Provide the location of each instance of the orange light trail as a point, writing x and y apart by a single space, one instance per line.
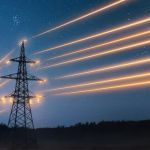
103 44
81 17
135 76
119 87
99 54
126 26
3 99
4 83
3 110
108 68
6 56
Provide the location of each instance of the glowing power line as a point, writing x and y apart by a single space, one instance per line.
3 111
39 98
4 83
81 17
119 87
3 99
126 26
128 77
108 68
5 58
99 54
103 44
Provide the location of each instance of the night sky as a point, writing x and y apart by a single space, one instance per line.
25 18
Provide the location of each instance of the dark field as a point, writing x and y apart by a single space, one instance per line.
102 136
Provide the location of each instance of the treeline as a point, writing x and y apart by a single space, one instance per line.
102 124
3 126
106 124
94 130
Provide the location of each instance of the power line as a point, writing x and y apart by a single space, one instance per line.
106 89
137 62
111 5
139 34
99 54
123 27
98 82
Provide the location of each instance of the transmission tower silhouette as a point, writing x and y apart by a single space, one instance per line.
20 119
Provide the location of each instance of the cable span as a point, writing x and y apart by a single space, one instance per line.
115 87
81 17
99 54
123 27
103 44
98 82
137 62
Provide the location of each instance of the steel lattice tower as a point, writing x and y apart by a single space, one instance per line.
21 115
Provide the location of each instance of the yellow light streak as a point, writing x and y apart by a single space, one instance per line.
11 100
37 62
4 83
25 40
3 100
103 44
43 81
81 17
8 62
39 98
120 28
119 87
30 102
3 110
5 58
99 54
108 68
135 76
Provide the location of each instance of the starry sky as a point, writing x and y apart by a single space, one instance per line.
25 18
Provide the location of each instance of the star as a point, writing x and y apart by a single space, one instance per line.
16 20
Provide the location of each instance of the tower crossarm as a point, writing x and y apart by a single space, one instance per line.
15 77
26 60
10 76
15 95
33 78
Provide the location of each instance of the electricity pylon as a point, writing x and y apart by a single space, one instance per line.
20 119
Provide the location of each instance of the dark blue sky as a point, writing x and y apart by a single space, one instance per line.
25 18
